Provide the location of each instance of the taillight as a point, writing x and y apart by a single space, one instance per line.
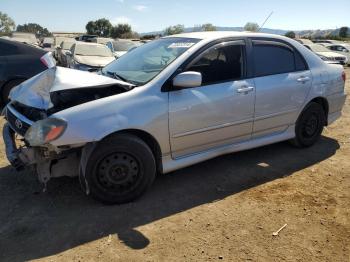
48 60
343 75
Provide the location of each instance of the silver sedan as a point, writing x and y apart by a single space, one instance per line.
168 104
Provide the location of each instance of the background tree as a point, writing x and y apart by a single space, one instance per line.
7 25
121 31
290 34
101 27
90 28
33 28
343 32
252 27
208 27
173 30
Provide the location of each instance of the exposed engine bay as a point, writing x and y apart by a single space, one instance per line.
35 100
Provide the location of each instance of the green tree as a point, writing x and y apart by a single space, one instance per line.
252 27
90 27
290 34
33 28
208 27
7 25
101 27
121 31
173 30
343 31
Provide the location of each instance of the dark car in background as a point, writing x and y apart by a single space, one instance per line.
19 62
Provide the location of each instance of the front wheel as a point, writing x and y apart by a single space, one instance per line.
120 169
309 125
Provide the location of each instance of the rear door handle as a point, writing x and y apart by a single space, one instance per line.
245 89
303 79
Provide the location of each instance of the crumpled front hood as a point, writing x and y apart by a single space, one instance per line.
97 61
35 92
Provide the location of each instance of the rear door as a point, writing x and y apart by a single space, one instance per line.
220 111
282 81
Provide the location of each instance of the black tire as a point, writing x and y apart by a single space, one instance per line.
7 88
120 169
309 125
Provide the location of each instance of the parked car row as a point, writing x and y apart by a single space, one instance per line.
92 55
331 51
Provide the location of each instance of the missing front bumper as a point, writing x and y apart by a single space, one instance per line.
46 165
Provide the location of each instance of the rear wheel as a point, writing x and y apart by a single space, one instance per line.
309 126
120 169
7 89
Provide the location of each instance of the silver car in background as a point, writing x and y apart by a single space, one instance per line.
168 104
88 56
62 50
121 47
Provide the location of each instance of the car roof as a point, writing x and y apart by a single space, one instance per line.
213 35
23 49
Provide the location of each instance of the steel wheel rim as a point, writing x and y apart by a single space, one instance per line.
118 172
311 126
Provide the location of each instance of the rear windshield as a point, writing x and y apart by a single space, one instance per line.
93 50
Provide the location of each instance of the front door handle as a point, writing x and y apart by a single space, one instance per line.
303 79
245 89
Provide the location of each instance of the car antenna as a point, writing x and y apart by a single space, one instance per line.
267 18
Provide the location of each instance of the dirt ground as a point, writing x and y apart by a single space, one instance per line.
223 209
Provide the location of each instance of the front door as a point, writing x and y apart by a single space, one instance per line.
221 110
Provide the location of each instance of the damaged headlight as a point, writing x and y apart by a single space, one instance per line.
45 131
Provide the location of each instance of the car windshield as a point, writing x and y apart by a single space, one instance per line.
123 45
319 48
67 45
147 61
93 50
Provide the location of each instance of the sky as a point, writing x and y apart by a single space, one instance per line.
155 15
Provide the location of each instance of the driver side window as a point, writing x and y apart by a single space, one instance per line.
221 63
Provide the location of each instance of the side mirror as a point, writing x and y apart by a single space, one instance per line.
187 79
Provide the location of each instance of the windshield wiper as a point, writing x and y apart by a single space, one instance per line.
118 77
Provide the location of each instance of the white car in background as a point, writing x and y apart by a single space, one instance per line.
343 49
326 54
88 56
121 47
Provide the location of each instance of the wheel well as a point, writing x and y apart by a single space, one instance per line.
324 103
150 141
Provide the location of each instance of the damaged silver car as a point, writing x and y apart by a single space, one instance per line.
168 104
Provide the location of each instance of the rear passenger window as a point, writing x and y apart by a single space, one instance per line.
220 64
299 62
270 59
